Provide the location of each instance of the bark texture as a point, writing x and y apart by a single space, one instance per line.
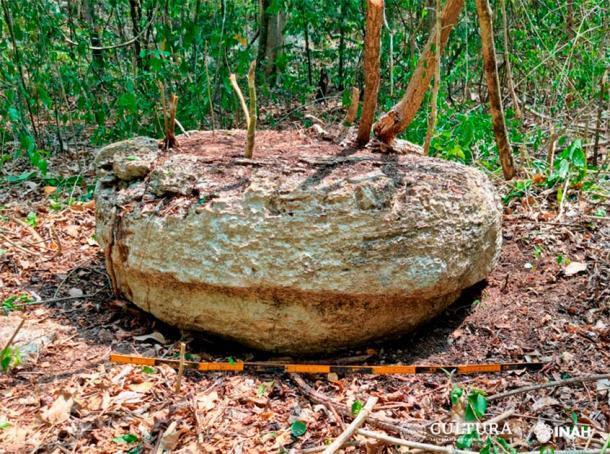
400 116
493 87
313 253
372 45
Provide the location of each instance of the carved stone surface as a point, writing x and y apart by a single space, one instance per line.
305 248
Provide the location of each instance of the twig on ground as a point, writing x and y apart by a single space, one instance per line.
550 384
55 300
382 422
353 427
14 335
501 417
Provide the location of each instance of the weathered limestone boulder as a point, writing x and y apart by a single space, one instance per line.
308 247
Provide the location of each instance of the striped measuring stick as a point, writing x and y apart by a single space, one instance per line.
268 367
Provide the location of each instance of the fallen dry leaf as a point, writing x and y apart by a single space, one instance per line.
574 268
207 402
169 439
60 410
142 387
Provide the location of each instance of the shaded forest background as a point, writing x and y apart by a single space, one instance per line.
91 69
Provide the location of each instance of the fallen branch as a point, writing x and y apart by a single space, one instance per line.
55 300
550 384
381 422
353 427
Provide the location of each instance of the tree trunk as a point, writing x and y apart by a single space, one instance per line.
372 44
271 37
437 79
509 71
135 11
88 12
263 26
400 116
603 87
342 45
308 54
493 88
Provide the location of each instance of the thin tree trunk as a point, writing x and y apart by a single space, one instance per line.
94 33
342 46
509 71
135 11
400 116
263 27
493 88
437 79
308 51
372 44
603 87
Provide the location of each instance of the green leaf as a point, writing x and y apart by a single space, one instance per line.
465 441
456 393
547 450
356 407
148 370
298 428
476 405
231 361
31 219
4 425
129 102
125 438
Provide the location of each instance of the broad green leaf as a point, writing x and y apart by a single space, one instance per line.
476 405
298 428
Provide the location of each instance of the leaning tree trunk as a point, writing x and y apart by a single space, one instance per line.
493 87
374 20
401 115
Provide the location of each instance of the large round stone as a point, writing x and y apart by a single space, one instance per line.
308 247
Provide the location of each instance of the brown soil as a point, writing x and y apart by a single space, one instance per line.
70 398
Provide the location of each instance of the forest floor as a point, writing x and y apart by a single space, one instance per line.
548 299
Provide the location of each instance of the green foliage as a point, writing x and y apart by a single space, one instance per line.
356 407
476 405
455 394
54 88
9 304
465 441
148 370
298 428
4 425
31 219
10 357
126 439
